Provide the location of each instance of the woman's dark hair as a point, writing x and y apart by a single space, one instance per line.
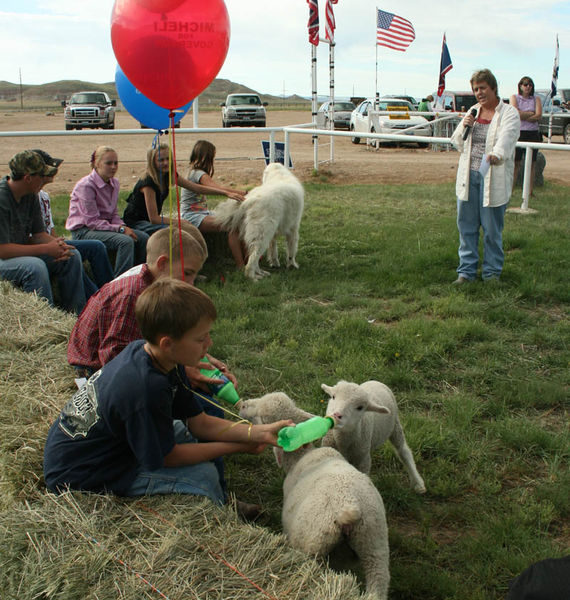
202 157
526 80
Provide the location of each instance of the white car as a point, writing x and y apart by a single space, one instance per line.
342 112
367 118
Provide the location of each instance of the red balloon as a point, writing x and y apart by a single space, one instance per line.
160 5
170 50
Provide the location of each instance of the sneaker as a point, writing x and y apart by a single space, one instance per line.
460 280
248 512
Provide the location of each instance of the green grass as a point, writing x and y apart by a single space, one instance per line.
480 373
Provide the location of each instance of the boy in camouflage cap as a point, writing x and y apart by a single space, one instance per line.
28 255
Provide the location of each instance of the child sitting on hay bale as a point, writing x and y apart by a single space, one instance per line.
117 435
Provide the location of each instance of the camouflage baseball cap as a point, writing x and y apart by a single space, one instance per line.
29 163
48 159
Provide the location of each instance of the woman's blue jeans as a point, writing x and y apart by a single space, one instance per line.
129 252
471 216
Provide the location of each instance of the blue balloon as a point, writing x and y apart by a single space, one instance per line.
141 108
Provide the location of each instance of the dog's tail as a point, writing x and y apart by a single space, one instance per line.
229 214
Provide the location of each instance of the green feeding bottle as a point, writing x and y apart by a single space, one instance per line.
225 391
291 438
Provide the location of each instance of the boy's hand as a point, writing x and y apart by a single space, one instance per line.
267 434
198 380
223 368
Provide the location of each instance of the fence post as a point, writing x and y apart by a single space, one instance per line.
271 146
527 177
286 150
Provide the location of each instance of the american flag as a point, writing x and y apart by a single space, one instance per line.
445 66
330 24
393 31
313 23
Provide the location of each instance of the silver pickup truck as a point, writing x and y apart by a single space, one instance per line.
558 106
244 109
89 109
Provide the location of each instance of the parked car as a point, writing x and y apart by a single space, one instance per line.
368 119
243 109
410 99
342 112
89 109
560 114
454 101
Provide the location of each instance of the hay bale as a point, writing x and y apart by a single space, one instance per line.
84 546
90 546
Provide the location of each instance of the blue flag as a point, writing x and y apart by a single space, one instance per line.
445 66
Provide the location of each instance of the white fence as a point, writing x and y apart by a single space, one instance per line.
303 129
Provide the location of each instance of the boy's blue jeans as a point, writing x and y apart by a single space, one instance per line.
201 479
471 216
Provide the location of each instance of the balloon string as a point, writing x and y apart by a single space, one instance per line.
172 129
170 230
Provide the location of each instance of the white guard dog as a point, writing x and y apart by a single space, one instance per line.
272 208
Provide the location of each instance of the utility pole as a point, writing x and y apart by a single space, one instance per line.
21 93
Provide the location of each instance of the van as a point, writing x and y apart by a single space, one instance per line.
454 101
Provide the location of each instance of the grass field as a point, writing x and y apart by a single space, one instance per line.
480 373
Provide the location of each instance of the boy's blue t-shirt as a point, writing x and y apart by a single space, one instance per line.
120 421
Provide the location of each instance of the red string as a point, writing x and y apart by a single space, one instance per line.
212 554
172 129
91 539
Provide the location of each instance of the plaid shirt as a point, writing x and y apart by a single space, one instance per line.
107 323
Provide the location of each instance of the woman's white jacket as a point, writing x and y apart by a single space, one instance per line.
502 137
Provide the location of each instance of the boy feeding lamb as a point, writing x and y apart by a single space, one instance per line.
117 434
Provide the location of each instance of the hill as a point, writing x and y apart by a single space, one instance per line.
49 95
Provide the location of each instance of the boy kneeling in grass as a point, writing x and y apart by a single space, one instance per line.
117 434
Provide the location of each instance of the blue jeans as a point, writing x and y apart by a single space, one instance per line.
32 274
471 216
95 253
147 226
200 479
129 251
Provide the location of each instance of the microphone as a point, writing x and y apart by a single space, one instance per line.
468 127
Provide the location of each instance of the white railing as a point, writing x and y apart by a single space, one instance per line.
307 129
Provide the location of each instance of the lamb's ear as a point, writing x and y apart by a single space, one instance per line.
278 452
374 406
327 389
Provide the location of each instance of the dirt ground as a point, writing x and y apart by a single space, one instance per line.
239 155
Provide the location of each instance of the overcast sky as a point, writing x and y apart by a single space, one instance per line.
269 50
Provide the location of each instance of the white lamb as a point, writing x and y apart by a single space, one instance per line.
272 407
365 417
325 501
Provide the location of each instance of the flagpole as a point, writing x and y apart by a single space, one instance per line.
314 104
376 95
553 86
331 92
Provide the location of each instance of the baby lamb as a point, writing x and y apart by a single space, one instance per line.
326 500
365 417
272 407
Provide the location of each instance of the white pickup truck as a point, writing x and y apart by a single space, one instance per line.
89 109
371 117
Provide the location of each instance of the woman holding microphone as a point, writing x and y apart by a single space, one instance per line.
486 139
